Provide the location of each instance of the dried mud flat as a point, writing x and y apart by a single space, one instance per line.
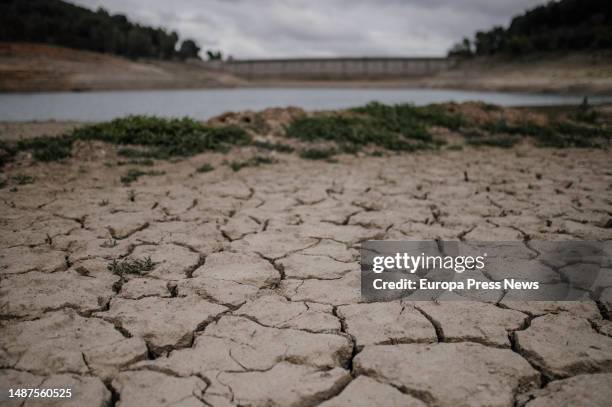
254 294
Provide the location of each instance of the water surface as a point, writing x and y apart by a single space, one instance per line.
206 103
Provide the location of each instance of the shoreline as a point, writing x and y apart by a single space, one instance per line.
407 84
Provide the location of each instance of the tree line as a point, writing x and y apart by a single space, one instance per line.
566 25
61 23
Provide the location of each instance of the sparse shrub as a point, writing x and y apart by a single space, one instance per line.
584 113
122 267
205 168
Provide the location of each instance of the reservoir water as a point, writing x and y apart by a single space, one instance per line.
206 103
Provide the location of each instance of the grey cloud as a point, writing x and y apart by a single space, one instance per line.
290 28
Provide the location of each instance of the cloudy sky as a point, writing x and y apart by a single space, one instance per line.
291 28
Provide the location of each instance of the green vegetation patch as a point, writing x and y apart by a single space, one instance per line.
205 168
122 267
560 134
164 137
405 127
156 138
402 127
47 148
22 179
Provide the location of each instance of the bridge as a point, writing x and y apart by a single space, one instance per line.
333 68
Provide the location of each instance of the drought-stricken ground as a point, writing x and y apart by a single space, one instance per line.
251 295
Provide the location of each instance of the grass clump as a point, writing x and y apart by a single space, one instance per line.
254 161
22 179
205 168
131 266
133 175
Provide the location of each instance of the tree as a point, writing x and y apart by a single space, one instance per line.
138 44
462 49
189 49
62 23
214 55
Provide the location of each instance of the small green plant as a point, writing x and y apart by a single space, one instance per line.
254 161
122 267
205 168
133 175
109 243
318 153
22 179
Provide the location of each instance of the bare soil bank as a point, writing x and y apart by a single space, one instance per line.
37 67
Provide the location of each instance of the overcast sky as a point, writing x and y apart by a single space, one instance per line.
292 28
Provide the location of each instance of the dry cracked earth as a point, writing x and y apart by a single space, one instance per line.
254 298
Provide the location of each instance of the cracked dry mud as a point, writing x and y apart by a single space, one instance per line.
254 298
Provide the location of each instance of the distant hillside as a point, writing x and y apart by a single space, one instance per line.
566 25
39 67
61 23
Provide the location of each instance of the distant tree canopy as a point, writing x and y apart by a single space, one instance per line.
565 25
61 23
